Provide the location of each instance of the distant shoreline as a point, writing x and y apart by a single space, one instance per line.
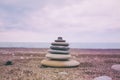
9 50
70 48
71 45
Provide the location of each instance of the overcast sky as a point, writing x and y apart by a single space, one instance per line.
74 20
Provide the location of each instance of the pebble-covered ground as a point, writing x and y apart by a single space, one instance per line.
26 65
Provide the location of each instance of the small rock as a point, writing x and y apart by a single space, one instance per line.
63 73
13 54
8 63
4 53
116 67
27 57
21 57
74 56
103 78
31 55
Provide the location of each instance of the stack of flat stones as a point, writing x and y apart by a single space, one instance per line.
59 55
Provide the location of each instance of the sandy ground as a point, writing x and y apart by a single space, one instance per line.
27 66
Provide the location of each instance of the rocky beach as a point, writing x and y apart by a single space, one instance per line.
26 64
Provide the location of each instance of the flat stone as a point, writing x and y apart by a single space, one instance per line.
58 52
59 47
59 44
103 78
116 67
60 41
58 56
53 63
60 38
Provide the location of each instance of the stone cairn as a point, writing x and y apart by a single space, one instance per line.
59 55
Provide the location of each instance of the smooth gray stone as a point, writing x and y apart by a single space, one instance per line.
103 78
116 67
58 56
59 47
60 41
59 38
58 52
59 44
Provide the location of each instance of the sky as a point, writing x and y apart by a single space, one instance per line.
74 20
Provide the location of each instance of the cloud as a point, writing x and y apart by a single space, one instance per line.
82 20
97 15
25 36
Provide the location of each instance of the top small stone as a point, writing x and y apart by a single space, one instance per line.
60 38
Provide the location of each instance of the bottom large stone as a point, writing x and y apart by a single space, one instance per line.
53 63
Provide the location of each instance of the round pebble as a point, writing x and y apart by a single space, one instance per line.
63 73
103 78
116 67
21 57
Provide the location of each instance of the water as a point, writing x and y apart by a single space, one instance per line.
72 45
